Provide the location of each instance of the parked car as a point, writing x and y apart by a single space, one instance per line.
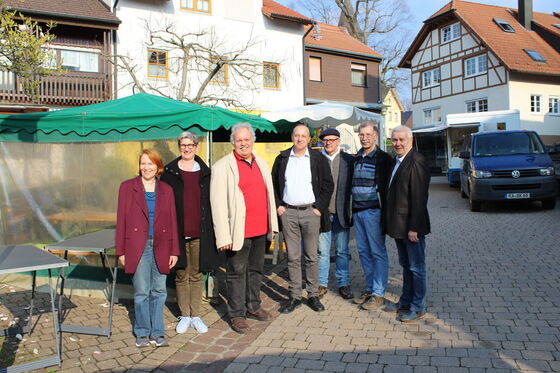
506 165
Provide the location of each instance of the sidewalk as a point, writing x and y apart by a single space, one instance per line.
493 306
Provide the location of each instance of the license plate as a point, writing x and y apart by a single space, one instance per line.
518 195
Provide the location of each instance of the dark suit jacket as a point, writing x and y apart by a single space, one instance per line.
407 198
344 190
209 256
321 181
133 225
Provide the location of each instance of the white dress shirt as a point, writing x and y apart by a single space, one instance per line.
298 189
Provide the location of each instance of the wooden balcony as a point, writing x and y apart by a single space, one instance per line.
71 89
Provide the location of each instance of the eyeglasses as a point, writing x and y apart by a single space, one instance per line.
365 135
190 146
328 141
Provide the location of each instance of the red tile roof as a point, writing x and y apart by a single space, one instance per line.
92 10
546 21
508 47
337 38
272 9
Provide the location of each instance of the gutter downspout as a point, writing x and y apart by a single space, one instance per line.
303 60
114 41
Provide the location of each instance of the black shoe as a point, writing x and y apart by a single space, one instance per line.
315 304
290 306
345 292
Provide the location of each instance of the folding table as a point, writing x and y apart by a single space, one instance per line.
24 258
97 242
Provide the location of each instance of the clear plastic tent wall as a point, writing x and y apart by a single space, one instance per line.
54 191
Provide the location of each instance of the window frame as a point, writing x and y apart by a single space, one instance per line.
432 111
536 104
451 31
504 25
195 6
224 69
535 56
320 68
477 105
364 72
277 66
477 72
150 50
59 49
550 99
431 73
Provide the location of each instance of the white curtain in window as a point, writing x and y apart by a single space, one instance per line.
89 62
315 69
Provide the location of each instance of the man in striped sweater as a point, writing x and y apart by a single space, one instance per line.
372 170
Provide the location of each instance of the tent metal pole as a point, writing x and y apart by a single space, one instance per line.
209 147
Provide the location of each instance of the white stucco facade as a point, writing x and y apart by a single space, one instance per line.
543 122
229 26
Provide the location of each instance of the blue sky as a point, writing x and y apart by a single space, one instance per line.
422 9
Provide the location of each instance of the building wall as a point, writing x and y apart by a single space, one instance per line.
336 79
498 99
231 27
521 87
393 113
450 58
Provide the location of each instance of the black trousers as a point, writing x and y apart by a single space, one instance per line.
244 271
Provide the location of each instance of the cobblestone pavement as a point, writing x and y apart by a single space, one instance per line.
493 303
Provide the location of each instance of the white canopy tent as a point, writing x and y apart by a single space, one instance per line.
327 114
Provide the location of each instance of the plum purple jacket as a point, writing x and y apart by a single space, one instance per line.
132 225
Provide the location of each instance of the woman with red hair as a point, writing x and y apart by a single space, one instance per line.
147 244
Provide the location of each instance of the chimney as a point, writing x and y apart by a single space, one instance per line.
525 13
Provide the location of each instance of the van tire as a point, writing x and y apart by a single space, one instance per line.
475 205
549 203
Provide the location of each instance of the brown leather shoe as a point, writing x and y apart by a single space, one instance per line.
322 291
239 324
261 315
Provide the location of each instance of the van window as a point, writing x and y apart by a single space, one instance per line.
507 144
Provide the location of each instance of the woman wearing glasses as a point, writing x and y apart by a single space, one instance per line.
189 178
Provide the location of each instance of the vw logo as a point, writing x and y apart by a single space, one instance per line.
515 174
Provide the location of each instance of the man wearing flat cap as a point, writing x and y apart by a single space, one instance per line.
342 168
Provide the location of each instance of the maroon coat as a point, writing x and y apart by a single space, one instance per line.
133 225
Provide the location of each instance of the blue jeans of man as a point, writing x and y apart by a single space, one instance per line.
150 292
370 242
341 237
415 282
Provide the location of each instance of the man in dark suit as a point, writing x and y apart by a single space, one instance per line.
342 168
408 222
303 187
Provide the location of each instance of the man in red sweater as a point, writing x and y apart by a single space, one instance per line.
244 216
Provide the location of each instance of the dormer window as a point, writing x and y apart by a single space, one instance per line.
536 56
504 25
451 32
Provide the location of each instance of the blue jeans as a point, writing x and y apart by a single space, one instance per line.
371 247
341 238
415 282
150 292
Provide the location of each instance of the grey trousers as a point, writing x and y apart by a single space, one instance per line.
298 226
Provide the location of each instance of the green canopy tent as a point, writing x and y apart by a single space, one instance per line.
134 118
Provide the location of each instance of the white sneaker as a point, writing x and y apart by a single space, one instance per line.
183 324
199 325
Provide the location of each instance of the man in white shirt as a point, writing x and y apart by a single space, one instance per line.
303 187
